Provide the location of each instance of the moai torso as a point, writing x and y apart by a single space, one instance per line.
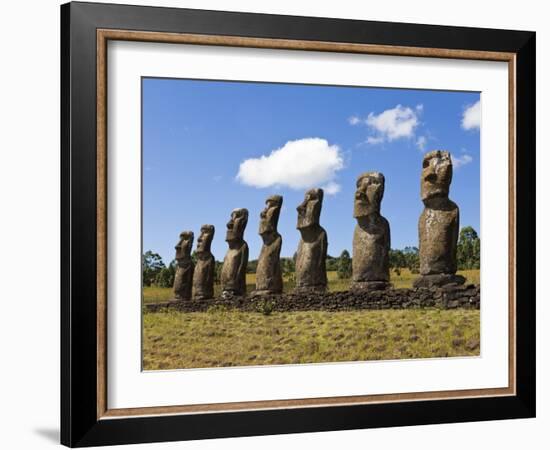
233 275
371 243
371 239
311 272
311 257
183 279
269 278
205 268
438 232
203 280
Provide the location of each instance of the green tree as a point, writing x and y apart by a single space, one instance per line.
165 278
151 265
406 258
331 263
412 259
468 249
344 265
252 266
288 268
288 265
397 259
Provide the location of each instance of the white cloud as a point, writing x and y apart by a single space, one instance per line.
332 188
461 160
421 143
299 164
396 123
354 120
471 117
372 140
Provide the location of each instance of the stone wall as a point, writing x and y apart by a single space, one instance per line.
448 297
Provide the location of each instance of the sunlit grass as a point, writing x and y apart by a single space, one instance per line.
221 338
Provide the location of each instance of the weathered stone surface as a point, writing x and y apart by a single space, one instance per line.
311 274
233 274
205 268
371 239
183 280
439 279
439 223
369 285
269 278
448 298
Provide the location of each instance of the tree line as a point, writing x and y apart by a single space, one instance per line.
156 273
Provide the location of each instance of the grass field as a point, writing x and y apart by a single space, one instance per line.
222 338
403 280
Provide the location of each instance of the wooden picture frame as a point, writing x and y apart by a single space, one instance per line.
85 416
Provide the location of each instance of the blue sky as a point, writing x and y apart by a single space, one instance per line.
210 147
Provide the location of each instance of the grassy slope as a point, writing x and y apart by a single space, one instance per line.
174 340
404 280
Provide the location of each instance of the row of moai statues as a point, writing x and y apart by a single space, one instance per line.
438 234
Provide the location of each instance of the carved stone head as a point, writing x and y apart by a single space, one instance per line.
184 246
205 239
309 211
269 217
368 195
437 173
236 225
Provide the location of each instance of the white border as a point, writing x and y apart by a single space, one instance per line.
128 386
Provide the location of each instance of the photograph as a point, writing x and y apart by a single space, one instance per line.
334 217
304 224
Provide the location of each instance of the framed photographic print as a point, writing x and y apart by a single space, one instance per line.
277 224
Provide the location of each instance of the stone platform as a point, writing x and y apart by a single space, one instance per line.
448 297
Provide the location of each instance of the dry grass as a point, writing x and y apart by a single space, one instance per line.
222 338
403 280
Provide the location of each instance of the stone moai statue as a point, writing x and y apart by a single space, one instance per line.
183 279
371 239
205 268
439 223
233 276
311 273
269 278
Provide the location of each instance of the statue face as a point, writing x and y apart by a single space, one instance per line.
437 172
184 246
269 217
309 211
205 239
368 195
236 225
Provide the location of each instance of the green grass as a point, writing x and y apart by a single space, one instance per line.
222 338
403 280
